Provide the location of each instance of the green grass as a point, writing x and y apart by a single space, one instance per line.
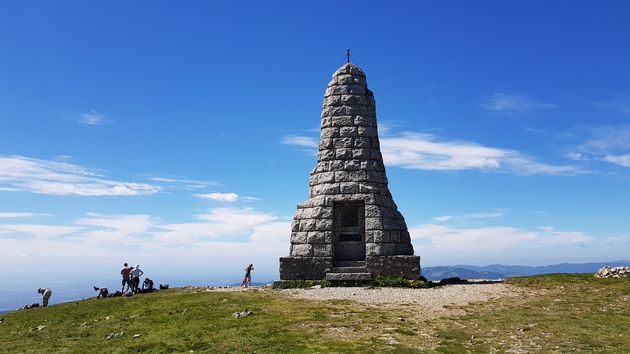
555 313
567 313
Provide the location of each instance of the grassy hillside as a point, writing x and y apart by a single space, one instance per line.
562 313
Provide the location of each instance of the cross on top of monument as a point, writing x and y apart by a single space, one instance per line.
348 54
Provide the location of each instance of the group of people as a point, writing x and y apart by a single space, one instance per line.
131 279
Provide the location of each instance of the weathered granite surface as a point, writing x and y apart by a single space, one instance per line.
349 169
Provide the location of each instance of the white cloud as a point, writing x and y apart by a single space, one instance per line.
37 231
607 143
93 118
304 141
6 215
490 239
621 160
18 173
187 183
514 104
426 152
487 215
225 197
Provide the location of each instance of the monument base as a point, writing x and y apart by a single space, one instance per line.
408 266
305 268
316 268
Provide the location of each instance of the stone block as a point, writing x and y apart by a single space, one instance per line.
394 236
377 236
337 165
322 250
375 176
307 225
315 237
376 155
404 249
326 122
361 143
348 131
364 121
372 249
360 154
342 121
323 155
325 144
328 237
350 176
326 188
353 100
368 188
374 224
329 133
348 187
343 154
295 225
298 237
345 79
307 268
388 249
325 177
333 100
324 225
301 250
372 211
352 165
369 132
342 142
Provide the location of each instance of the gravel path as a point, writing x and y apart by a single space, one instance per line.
431 302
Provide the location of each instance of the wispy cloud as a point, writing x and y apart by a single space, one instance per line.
18 173
427 152
93 118
619 102
183 182
7 215
298 140
491 239
608 143
621 160
488 215
423 151
225 197
514 104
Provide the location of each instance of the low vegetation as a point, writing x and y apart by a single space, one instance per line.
556 313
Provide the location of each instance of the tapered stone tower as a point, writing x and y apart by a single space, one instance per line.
350 227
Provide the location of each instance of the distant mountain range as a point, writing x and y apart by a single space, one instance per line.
499 271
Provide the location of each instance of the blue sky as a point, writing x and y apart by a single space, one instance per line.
180 135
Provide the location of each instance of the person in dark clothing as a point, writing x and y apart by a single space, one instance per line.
102 292
125 273
247 280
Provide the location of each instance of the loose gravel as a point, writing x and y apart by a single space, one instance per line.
431 302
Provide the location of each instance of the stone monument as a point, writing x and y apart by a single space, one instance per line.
349 229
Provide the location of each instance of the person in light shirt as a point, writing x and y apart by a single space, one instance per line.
136 273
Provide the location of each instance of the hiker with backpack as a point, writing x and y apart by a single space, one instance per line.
46 294
247 280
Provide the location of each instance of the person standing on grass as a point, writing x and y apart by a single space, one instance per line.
46 293
247 281
126 277
136 273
